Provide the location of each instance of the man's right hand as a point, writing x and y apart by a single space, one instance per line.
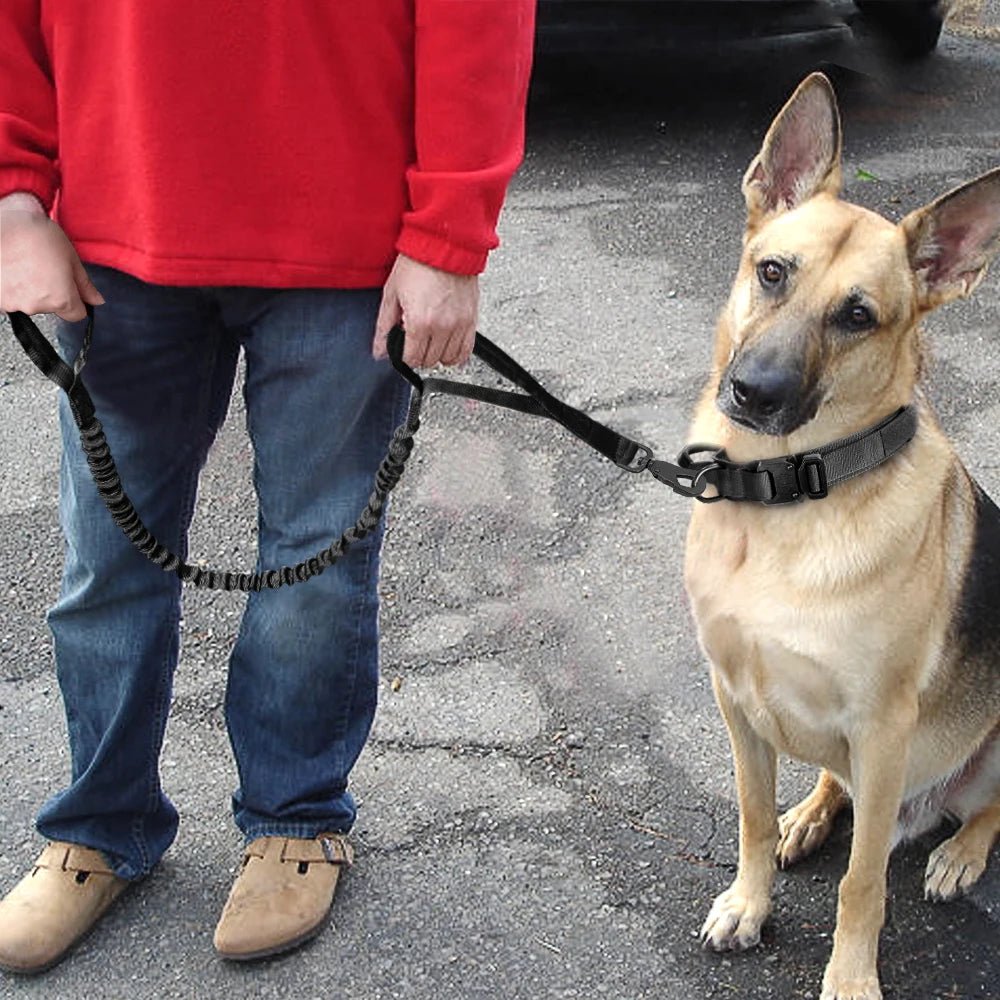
40 271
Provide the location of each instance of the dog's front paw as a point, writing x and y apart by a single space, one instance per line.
952 868
850 987
734 921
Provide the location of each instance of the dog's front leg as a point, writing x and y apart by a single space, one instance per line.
878 775
736 916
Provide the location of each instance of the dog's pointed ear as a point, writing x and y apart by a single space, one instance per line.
952 240
801 152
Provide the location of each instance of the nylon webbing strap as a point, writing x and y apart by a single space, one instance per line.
536 400
861 452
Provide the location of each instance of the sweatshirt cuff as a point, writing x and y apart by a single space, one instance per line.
14 179
435 251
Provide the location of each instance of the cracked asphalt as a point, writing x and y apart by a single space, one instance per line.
546 802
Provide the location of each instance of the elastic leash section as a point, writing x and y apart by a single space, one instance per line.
109 485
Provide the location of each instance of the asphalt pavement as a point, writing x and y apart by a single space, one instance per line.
547 808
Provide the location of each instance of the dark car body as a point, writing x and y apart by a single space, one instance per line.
681 27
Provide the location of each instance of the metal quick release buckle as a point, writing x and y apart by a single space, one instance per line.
812 476
792 477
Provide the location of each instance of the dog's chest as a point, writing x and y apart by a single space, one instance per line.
785 649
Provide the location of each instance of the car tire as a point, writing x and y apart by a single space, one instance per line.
911 27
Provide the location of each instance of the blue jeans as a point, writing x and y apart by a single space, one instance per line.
303 674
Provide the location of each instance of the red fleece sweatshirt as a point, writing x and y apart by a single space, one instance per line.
275 143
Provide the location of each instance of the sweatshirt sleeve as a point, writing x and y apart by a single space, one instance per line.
28 143
472 67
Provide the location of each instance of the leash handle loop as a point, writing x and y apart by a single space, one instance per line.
41 353
46 359
395 343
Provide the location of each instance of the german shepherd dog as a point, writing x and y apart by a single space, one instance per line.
860 632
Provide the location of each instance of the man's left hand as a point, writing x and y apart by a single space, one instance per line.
437 309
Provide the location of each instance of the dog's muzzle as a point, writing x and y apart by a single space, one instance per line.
766 393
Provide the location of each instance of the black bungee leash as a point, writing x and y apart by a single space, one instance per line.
768 481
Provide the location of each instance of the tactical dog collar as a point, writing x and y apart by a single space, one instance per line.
789 477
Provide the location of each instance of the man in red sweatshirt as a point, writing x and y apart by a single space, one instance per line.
286 180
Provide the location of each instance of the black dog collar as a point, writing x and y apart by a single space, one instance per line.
789 477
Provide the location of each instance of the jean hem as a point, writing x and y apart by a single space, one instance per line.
296 831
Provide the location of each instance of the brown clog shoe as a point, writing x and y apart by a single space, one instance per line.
282 895
69 889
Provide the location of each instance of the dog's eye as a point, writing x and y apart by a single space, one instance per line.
771 273
858 317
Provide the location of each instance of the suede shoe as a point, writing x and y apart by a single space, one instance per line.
54 905
282 895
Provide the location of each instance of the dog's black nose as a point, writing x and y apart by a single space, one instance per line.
763 397
764 392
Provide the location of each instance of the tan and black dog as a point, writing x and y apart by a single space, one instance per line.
859 632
